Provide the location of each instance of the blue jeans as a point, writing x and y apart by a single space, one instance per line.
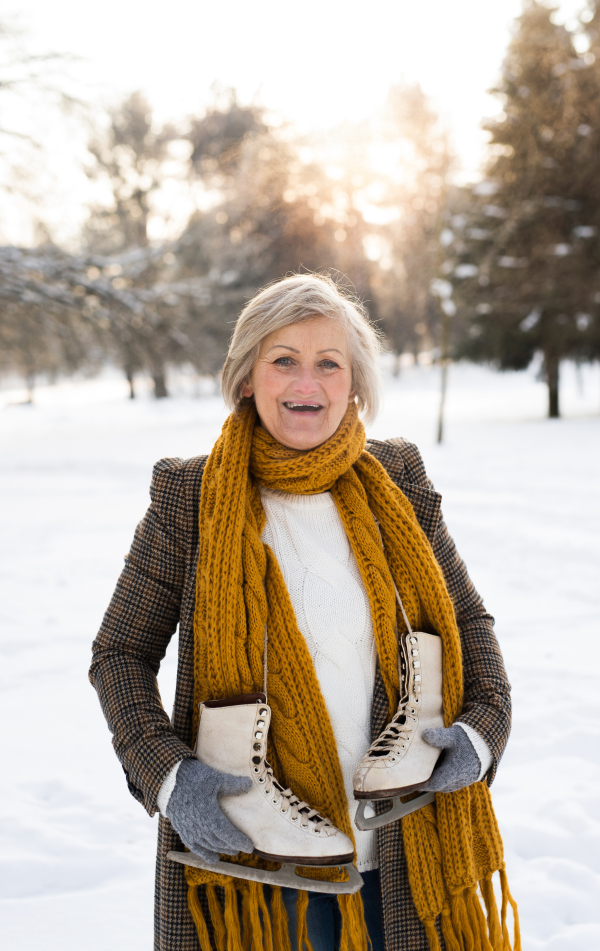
324 920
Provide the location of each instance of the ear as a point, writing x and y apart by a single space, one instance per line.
247 389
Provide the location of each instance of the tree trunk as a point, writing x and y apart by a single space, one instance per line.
445 348
129 375
396 370
30 381
552 363
160 383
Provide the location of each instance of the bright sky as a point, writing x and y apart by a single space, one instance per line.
314 62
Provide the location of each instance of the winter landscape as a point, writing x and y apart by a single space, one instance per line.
521 499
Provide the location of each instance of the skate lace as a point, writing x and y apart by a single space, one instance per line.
289 802
397 733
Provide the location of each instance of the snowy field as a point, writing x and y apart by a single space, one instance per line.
521 499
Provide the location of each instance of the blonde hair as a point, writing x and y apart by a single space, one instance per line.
290 301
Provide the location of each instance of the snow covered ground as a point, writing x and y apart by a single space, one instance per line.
521 498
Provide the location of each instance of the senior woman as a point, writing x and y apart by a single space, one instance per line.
297 524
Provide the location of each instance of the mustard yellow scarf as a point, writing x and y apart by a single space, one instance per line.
451 847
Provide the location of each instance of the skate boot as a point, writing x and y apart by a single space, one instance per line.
400 761
232 737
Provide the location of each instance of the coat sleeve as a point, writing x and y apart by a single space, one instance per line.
487 705
137 627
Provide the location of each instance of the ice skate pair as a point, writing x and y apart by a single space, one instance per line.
232 738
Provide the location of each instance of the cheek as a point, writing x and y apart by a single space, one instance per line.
267 386
339 387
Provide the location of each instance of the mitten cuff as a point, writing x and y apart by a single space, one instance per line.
481 748
164 793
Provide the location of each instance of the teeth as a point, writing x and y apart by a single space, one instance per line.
303 405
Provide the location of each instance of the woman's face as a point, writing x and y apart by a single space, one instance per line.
302 382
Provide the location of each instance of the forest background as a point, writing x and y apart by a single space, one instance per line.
190 217
140 206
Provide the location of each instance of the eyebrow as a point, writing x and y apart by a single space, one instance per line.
284 346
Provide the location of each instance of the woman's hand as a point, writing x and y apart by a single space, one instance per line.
194 812
458 766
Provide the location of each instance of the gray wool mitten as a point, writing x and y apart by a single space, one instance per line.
194 812
459 764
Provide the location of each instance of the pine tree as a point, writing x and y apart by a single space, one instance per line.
525 265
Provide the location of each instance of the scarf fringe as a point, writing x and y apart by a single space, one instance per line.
508 899
432 935
465 926
302 928
198 918
281 935
231 917
216 917
261 928
354 935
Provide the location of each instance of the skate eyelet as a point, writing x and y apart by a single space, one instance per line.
317 831
258 735
416 663
261 779
263 712
260 722
256 746
294 818
255 769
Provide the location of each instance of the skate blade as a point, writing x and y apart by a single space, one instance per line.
285 877
398 810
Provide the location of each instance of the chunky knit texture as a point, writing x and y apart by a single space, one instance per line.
331 606
450 847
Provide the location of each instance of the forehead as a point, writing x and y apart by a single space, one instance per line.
314 334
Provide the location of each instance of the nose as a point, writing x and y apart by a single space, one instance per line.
305 382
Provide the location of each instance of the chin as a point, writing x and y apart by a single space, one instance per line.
303 440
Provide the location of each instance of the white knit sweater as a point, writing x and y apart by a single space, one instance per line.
306 534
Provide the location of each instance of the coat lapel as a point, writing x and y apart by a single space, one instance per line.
425 501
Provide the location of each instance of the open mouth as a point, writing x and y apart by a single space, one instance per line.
303 407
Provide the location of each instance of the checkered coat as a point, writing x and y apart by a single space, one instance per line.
156 592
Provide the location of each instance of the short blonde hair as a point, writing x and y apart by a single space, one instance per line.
290 301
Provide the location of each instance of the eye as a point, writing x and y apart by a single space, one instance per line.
283 362
330 365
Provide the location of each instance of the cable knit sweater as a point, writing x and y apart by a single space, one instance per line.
306 534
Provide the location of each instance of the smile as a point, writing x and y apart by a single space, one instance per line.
303 407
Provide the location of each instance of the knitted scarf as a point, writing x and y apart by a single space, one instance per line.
451 847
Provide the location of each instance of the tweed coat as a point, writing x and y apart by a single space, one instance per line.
156 593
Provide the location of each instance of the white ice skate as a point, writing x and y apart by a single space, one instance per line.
232 737
400 761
